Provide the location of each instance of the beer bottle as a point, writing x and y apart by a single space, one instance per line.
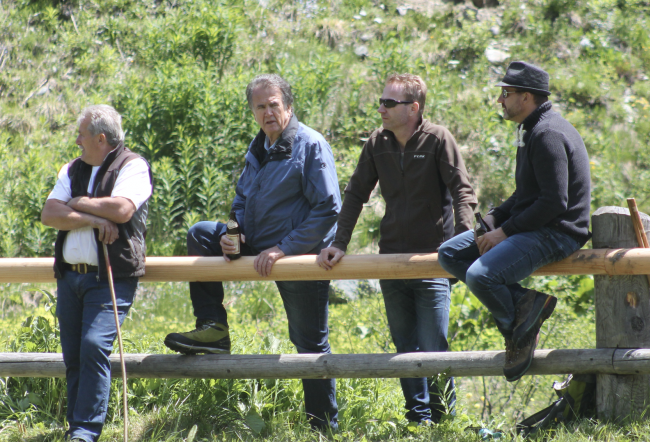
233 234
481 227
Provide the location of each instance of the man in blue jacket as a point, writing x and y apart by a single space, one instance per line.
287 202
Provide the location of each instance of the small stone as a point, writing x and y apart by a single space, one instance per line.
356 17
378 20
402 10
366 37
361 51
496 56
586 43
362 13
495 30
42 91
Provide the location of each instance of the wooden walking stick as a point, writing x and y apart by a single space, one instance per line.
641 237
119 341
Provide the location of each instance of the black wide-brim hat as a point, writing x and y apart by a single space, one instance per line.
526 76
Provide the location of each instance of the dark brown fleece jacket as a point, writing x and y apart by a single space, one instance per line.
425 191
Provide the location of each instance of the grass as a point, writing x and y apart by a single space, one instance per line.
370 409
176 70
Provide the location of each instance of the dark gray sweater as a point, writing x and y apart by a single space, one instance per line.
553 184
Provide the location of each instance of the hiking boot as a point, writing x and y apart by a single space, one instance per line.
518 360
209 337
530 313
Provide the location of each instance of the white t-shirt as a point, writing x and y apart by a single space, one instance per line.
132 183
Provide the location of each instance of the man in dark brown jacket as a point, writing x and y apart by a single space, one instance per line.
429 199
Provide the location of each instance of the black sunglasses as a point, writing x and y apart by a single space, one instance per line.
390 103
505 93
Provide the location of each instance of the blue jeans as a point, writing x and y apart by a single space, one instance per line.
85 311
494 277
306 304
418 317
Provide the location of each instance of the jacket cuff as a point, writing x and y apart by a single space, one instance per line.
340 245
509 229
223 230
499 215
285 249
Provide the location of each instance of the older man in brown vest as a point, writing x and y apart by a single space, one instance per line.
100 197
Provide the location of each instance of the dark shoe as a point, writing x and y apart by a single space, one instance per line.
518 360
530 313
209 337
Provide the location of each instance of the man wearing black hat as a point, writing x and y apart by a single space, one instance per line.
545 220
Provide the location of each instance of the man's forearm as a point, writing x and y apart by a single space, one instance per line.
62 217
464 212
116 209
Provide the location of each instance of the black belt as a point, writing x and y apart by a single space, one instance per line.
81 268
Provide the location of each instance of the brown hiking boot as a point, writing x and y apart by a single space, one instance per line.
518 360
530 313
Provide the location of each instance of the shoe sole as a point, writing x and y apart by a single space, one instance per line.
544 314
193 349
519 375
523 372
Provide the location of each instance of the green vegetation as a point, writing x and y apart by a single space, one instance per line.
177 71
34 409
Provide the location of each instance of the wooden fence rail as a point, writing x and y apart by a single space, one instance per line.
313 366
622 302
293 268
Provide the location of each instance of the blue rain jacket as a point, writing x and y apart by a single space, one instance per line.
289 197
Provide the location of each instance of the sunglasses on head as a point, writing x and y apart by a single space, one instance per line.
390 103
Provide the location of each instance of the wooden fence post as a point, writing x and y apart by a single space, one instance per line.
622 317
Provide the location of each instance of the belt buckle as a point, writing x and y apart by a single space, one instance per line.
81 268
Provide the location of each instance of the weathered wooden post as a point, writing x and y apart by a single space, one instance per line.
622 316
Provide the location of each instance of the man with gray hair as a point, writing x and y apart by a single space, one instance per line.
287 201
429 199
100 197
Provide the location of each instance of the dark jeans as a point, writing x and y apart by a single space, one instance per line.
306 304
494 277
418 317
87 324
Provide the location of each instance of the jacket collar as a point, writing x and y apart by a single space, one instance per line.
419 129
284 144
112 155
535 116
83 171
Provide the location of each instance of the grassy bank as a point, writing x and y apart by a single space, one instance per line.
177 71
33 409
